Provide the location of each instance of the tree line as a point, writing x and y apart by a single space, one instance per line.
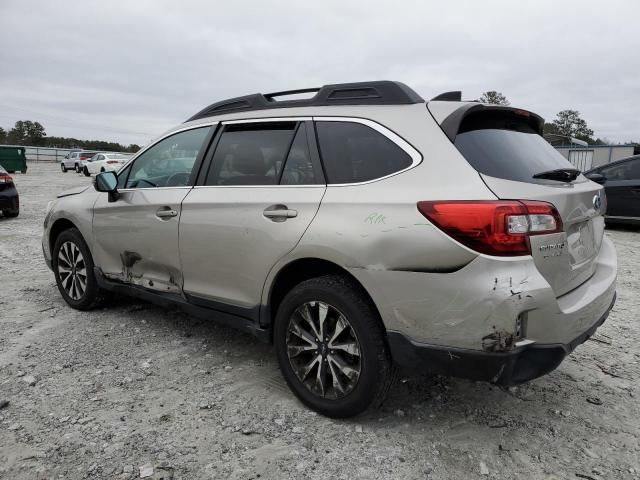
33 134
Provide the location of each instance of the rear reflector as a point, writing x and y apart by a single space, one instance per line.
500 227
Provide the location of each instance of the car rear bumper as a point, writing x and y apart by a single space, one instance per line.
9 199
490 320
519 365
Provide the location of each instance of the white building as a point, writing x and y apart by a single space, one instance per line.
585 157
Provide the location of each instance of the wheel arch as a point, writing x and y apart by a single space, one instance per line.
59 226
297 271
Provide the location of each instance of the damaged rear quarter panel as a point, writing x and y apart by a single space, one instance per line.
475 307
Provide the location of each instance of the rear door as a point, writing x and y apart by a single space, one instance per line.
262 188
506 148
622 184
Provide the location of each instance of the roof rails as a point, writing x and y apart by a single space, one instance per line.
383 92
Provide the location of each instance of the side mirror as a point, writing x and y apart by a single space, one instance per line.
107 182
596 177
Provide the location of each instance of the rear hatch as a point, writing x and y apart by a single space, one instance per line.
506 147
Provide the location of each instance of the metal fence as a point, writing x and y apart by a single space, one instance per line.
51 154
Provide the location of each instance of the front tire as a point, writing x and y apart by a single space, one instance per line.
331 347
11 213
73 268
63 168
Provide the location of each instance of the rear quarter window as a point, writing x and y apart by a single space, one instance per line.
504 145
353 153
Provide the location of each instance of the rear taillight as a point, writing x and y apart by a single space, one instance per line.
4 178
112 161
499 227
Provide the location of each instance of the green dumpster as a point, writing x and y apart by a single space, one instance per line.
13 159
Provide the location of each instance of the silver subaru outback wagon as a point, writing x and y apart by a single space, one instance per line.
359 230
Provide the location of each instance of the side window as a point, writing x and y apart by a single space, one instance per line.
298 168
251 154
169 162
624 171
352 152
100 157
634 171
122 178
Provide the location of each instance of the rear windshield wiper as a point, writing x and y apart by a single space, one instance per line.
560 174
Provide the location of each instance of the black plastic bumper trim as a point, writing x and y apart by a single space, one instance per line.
519 365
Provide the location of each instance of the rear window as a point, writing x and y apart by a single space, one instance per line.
506 145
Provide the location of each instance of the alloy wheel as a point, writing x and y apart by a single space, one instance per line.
323 350
72 270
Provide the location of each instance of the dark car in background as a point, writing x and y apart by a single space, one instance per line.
621 180
9 201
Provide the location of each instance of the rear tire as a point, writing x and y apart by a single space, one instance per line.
73 268
85 170
347 371
11 213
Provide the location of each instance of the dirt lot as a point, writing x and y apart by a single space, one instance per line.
103 393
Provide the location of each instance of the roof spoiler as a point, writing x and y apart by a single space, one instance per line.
451 125
454 96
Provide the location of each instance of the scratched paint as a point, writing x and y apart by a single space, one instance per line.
375 218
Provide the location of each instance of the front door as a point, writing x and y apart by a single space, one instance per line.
136 236
260 194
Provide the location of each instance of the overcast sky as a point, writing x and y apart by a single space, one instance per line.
127 70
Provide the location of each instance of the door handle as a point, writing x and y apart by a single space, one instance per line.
166 212
279 212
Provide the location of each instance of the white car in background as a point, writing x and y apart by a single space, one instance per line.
104 162
75 160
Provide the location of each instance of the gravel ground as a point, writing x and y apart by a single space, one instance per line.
101 394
